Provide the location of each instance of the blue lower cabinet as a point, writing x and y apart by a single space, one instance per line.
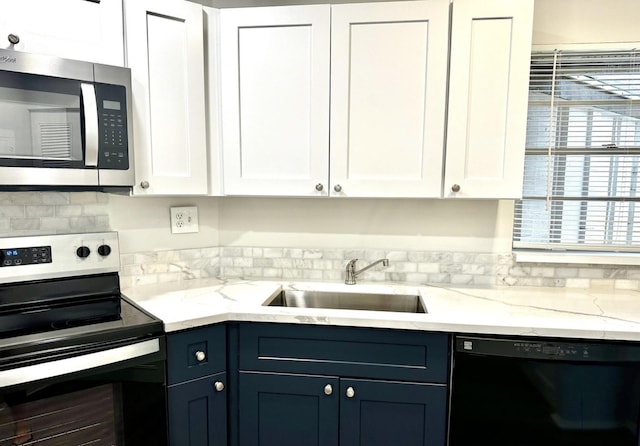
383 413
288 410
198 412
293 410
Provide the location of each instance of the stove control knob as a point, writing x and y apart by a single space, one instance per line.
83 252
104 250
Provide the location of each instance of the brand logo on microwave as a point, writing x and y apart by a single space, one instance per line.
7 59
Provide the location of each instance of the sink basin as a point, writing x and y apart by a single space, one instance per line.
405 303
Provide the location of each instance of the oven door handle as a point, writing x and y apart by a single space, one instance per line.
61 367
91 132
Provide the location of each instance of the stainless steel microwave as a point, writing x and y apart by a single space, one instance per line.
64 122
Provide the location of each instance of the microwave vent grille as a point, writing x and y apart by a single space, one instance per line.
56 140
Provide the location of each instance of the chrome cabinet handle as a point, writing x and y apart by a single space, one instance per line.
328 389
144 184
200 356
455 188
350 392
337 188
219 386
14 39
319 187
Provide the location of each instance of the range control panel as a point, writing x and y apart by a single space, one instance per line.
25 256
29 258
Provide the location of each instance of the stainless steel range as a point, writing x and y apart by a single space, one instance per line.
79 362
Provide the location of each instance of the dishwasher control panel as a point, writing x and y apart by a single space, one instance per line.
551 350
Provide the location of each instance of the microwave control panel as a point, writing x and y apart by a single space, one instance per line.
112 127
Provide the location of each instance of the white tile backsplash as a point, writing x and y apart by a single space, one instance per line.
33 213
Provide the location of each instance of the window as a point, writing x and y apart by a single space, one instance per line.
582 156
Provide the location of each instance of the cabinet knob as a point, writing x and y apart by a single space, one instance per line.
337 188
200 356
350 392
455 188
319 187
13 39
328 389
144 184
219 386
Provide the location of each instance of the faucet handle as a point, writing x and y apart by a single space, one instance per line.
351 266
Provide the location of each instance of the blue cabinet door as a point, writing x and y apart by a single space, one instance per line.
383 413
198 412
288 410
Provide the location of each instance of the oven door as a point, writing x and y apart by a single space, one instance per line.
537 392
112 395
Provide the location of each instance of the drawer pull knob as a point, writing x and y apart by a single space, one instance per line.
319 187
337 188
328 389
144 184
200 356
219 386
455 188
350 392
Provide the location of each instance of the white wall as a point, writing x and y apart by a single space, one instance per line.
585 21
144 223
367 223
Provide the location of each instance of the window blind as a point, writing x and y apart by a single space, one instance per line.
582 155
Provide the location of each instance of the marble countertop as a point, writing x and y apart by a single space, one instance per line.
528 311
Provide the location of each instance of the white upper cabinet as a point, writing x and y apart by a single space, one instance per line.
367 118
386 65
73 29
165 51
487 116
275 100
388 86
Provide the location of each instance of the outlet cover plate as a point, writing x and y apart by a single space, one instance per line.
184 219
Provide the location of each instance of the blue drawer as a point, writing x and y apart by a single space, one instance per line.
196 353
345 352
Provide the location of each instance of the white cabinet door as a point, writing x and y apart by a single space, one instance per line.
165 52
388 86
73 29
275 100
487 116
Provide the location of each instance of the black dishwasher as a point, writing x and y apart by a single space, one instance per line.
538 391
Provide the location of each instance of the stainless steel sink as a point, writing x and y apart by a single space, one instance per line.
405 303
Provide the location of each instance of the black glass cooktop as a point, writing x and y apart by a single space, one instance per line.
54 319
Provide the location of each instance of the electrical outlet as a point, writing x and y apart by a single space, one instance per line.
184 219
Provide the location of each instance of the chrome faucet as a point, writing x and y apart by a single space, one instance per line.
352 274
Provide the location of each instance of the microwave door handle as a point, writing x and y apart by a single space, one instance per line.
90 108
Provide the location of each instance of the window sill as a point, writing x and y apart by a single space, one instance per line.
574 257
